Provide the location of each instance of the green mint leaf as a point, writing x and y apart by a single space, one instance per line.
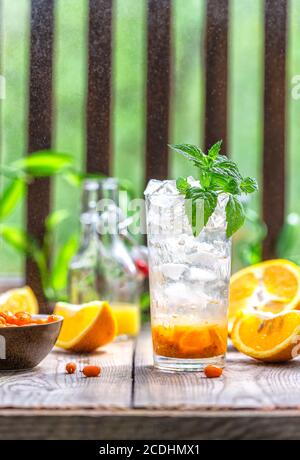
214 150
192 153
235 215
204 178
225 166
210 203
182 184
220 181
217 175
200 205
194 212
249 185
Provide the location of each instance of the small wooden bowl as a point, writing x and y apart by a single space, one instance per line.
24 347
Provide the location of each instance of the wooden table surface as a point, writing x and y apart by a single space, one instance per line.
131 400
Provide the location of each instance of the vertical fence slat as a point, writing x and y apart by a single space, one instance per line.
274 121
99 86
216 59
40 115
158 88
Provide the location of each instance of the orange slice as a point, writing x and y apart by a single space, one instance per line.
267 337
19 299
271 286
86 327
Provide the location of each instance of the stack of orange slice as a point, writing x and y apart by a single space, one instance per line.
263 319
272 286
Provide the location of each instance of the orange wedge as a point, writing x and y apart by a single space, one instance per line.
19 299
267 337
271 286
86 327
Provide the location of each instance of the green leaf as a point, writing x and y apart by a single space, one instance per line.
73 177
200 205
214 150
17 238
55 218
126 185
44 163
192 152
210 203
12 172
23 242
182 184
59 274
10 197
217 174
235 215
205 178
249 185
194 209
224 165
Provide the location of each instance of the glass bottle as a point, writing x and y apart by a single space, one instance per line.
83 269
120 282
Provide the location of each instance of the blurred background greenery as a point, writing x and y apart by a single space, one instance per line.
129 75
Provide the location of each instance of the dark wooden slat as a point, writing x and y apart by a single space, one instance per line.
40 114
99 86
216 59
158 88
146 424
274 121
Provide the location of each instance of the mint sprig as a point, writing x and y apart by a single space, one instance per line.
217 174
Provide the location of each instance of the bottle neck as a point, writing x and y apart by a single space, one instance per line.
109 219
88 222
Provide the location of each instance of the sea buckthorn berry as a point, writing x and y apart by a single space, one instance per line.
91 371
9 317
213 372
2 321
22 318
52 318
71 368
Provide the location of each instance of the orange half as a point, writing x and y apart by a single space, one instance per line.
86 327
19 299
272 286
267 337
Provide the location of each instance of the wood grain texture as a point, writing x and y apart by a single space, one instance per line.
143 425
39 124
274 121
252 400
246 384
99 86
216 64
48 386
158 88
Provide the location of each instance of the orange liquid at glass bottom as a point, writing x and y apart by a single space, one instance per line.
190 341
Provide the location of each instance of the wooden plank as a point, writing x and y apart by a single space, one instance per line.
48 385
147 425
246 384
39 128
274 121
158 88
99 86
216 60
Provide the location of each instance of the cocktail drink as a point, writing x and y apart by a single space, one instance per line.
189 226
189 278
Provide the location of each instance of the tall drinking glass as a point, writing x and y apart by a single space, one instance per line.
189 281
